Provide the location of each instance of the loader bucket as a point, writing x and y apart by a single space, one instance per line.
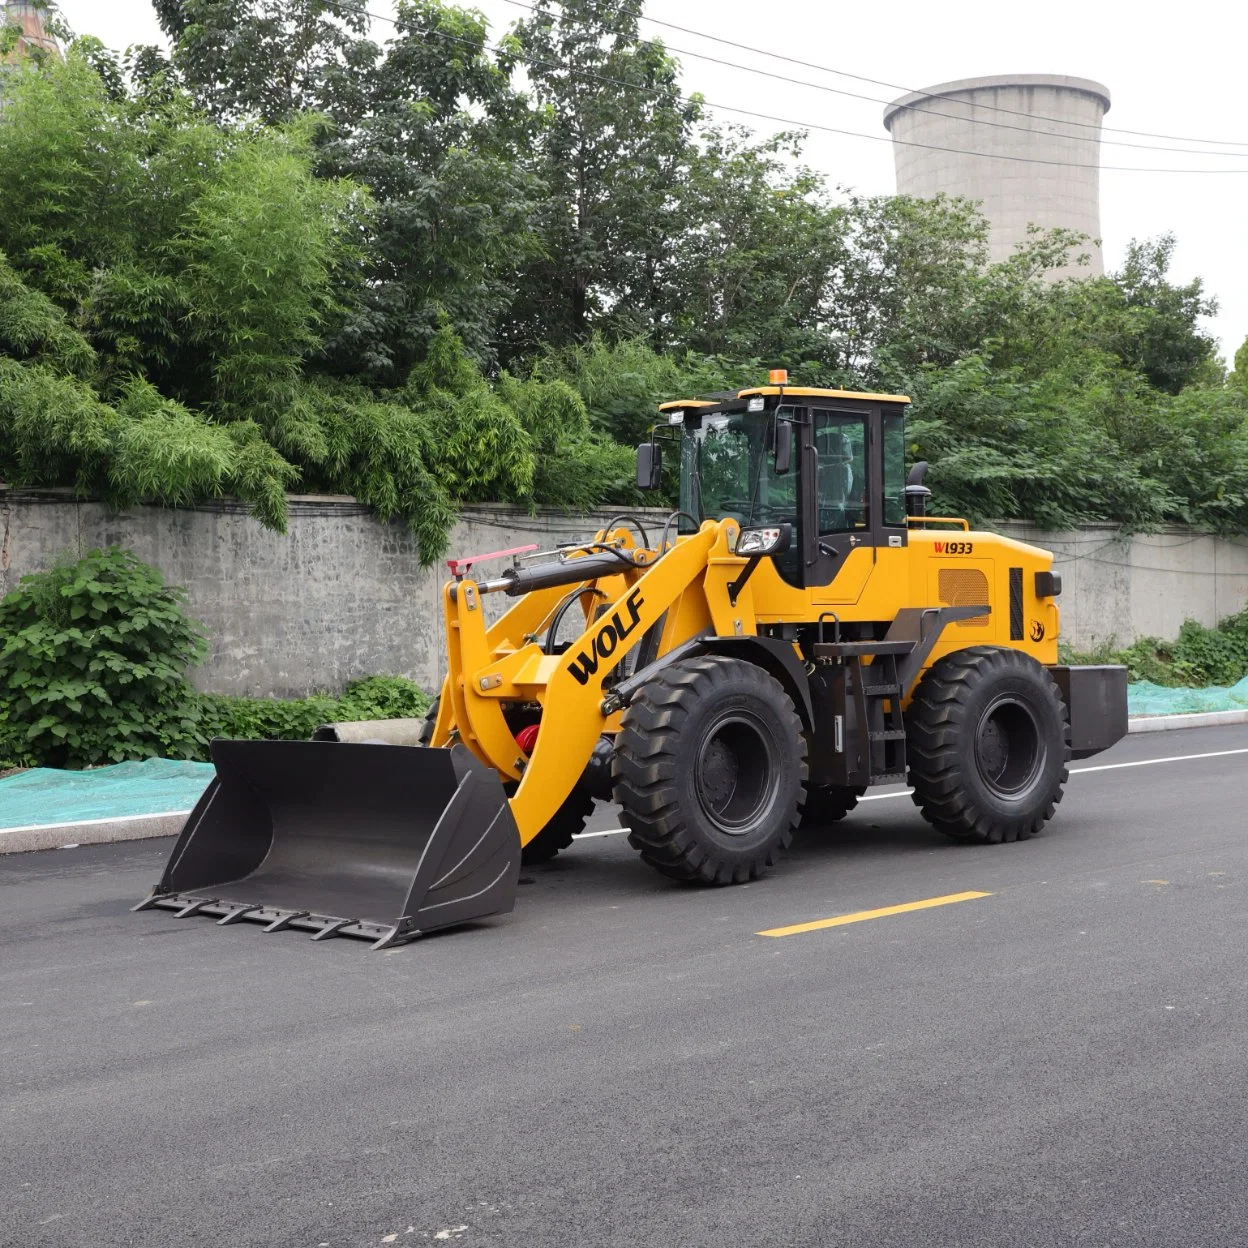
379 841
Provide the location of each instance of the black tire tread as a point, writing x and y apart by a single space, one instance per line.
557 835
935 746
826 804
647 755
564 824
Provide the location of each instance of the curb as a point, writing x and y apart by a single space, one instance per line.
91 832
1197 719
169 823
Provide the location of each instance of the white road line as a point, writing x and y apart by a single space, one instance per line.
1081 771
584 836
92 823
1148 762
1078 771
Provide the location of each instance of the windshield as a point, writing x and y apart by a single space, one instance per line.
727 469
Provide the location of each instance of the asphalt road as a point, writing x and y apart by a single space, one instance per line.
623 1061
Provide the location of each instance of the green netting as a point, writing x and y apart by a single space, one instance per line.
155 786
1145 698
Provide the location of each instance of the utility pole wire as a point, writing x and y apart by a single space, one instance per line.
588 75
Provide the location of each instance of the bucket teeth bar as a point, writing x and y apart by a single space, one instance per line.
321 926
239 912
379 842
285 920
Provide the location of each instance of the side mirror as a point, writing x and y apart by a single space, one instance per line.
649 466
784 446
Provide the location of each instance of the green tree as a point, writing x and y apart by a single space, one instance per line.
622 383
69 168
898 298
612 149
1239 377
263 59
433 128
1137 315
1159 333
201 295
754 266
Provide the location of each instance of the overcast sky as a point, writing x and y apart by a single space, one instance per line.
1171 70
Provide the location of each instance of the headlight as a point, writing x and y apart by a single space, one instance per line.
768 541
756 404
677 417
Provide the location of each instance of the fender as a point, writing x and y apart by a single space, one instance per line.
777 658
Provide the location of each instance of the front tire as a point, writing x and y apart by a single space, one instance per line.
709 769
564 824
988 743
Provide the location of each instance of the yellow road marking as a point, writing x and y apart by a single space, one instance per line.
861 915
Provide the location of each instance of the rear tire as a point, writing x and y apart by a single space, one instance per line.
988 743
709 768
828 803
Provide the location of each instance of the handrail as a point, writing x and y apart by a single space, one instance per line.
965 525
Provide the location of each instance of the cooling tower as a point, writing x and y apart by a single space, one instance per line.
1038 162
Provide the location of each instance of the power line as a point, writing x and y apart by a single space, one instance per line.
893 86
876 99
932 112
771 117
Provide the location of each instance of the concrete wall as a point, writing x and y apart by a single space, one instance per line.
343 596
1116 588
340 597
1027 146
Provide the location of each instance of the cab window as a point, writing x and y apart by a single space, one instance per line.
895 470
841 440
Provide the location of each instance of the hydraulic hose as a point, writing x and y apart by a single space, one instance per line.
561 610
637 524
667 528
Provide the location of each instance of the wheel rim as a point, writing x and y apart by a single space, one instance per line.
1010 749
735 777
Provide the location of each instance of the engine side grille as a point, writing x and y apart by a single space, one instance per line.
964 587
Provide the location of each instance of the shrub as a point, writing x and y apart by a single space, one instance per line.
1198 657
93 665
295 719
261 719
382 697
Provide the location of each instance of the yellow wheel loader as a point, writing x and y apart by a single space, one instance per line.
799 630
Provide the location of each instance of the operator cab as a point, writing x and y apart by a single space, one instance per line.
830 463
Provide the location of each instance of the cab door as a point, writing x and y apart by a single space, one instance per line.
838 508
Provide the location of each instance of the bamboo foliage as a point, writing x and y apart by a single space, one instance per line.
166 287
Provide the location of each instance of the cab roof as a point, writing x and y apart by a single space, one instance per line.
808 392
803 392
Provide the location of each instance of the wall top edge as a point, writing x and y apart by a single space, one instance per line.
962 85
300 503
347 505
